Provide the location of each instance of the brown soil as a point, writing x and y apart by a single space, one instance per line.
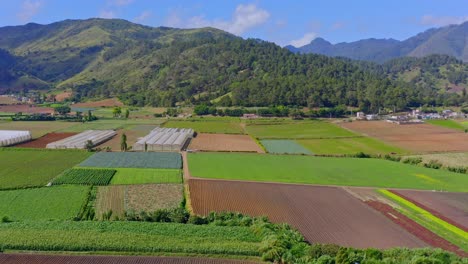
57 259
414 228
420 138
103 103
26 109
114 142
450 207
62 96
6 100
224 142
151 197
321 214
110 198
44 140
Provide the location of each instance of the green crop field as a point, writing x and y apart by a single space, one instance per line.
297 130
157 160
208 126
448 124
37 129
58 202
325 171
283 146
349 146
144 176
31 168
129 237
85 177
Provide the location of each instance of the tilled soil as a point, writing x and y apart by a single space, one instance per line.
44 140
225 143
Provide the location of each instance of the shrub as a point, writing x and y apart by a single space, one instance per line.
433 164
392 158
6 219
197 220
412 160
458 169
361 155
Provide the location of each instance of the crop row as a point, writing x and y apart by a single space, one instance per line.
85 177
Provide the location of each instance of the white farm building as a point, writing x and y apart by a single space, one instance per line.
12 137
164 139
80 140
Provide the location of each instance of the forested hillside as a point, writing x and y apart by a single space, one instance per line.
141 65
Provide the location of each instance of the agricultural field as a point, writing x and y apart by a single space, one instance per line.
25 109
447 124
225 143
349 146
57 203
85 177
447 231
417 138
138 237
321 214
53 259
113 124
102 103
297 130
209 126
21 168
137 198
7 100
159 160
284 146
37 129
447 159
127 176
324 171
44 140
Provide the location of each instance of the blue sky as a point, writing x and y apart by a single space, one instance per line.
294 22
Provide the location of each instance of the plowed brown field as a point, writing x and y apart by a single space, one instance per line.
26 109
224 142
103 103
419 138
450 207
321 214
44 140
50 259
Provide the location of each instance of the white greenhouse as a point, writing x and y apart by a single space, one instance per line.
13 137
79 141
164 139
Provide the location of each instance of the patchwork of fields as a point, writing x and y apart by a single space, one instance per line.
337 146
207 126
158 160
144 176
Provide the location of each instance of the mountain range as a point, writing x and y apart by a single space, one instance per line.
161 66
450 40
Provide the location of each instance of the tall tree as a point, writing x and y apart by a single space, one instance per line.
123 142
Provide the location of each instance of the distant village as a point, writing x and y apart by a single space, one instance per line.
414 117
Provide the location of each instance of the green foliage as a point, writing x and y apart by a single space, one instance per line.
412 160
145 176
42 166
123 142
158 160
323 170
433 164
85 177
62 109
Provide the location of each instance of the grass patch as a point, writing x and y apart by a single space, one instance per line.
20 168
297 130
156 160
37 129
208 126
447 123
85 177
284 146
58 202
129 237
349 146
326 171
450 232
144 176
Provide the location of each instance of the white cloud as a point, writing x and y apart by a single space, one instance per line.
243 19
29 9
143 16
107 14
121 2
429 20
306 39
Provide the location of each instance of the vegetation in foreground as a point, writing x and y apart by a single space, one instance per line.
326 171
85 177
58 202
21 168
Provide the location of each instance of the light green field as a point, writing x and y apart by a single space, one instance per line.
37 128
202 126
323 171
349 146
21 168
298 130
448 124
59 203
110 124
144 176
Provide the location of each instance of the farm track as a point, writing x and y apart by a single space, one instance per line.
321 214
416 229
56 259
44 140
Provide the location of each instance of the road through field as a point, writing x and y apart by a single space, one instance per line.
321 214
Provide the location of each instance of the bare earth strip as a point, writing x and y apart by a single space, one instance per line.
55 259
321 214
44 140
224 142
419 138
